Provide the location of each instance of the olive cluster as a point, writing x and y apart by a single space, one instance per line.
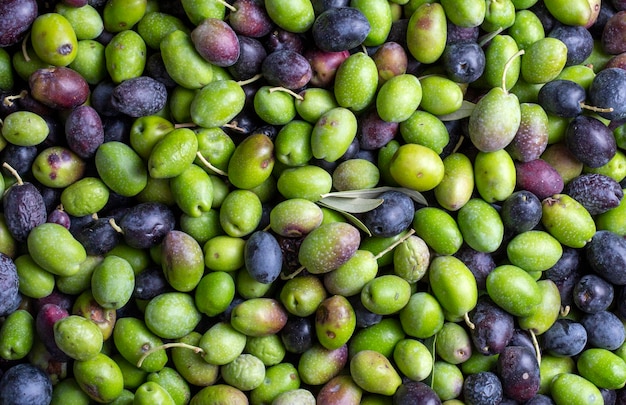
312 202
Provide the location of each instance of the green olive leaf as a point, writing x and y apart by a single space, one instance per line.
354 220
353 205
463 112
375 192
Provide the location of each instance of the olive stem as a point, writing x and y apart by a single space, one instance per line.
227 5
185 125
14 173
468 322
196 349
458 144
535 345
482 41
24 50
8 100
283 89
595 109
250 80
506 68
234 127
292 275
209 165
396 243
115 226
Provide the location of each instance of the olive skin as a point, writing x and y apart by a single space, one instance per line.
26 382
58 87
340 28
16 18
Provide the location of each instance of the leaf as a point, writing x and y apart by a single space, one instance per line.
354 220
377 191
357 222
463 112
415 195
353 205
364 193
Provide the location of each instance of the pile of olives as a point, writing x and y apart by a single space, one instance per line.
312 202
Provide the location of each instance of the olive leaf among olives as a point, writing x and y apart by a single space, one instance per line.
354 205
361 201
373 193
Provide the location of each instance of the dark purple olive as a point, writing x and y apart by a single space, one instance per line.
493 327
319 6
479 263
324 65
282 40
614 34
563 98
604 330
457 33
16 17
596 192
223 52
463 62
298 334
340 28
250 18
251 56
20 158
263 258
393 216
139 96
287 69
482 388
415 392
9 286
99 237
24 209
519 372
593 294
566 273
101 99
521 211
606 254
150 282
538 177
76 3
45 319
146 224
590 141
84 131
59 216
373 132
58 87
608 91
578 40
564 338
25 383
155 68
